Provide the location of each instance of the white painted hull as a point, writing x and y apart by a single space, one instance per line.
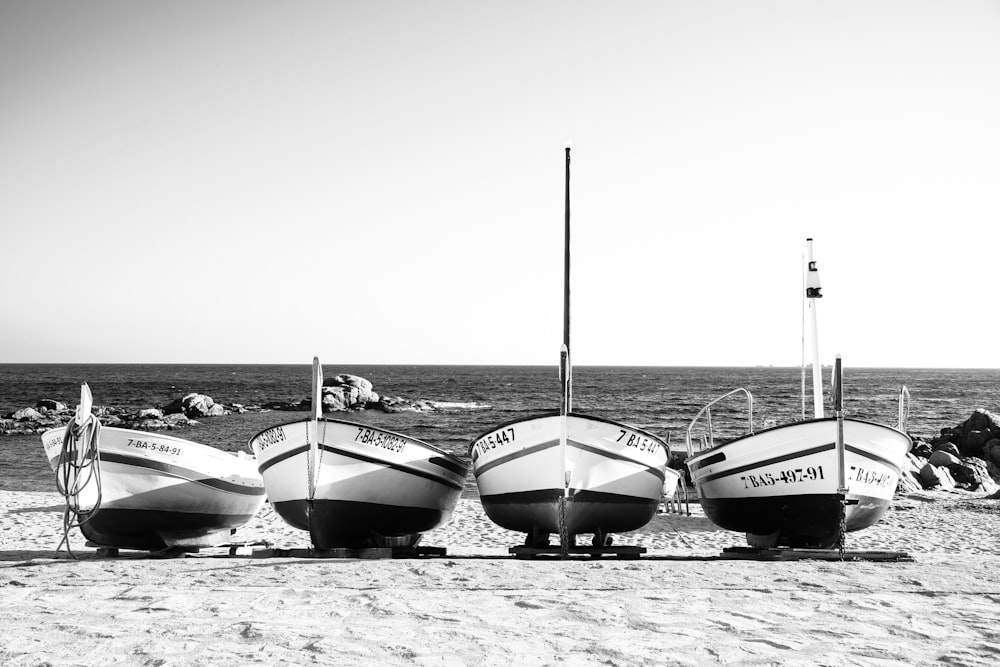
370 487
159 491
784 480
615 473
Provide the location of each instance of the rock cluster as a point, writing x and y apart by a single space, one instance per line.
179 413
350 392
964 457
340 393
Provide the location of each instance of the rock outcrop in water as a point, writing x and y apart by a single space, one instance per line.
195 406
346 392
964 457
340 393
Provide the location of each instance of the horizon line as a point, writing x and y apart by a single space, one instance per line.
471 365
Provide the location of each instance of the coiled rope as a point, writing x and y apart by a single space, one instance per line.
78 466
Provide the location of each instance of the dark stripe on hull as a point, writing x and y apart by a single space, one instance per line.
409 470
586 511
800 521
182 473
791 456
873 457
341 523
512 456
146 529
555 413
462 469
573 444
455 466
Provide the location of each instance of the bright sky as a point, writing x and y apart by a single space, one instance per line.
382 182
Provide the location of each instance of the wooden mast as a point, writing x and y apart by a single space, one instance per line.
566 376
565 369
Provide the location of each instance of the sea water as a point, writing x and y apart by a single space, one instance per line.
470 400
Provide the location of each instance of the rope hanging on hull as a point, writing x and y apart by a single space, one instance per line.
76 468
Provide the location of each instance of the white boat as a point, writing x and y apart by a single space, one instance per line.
567 473
805 483
149 491
356 485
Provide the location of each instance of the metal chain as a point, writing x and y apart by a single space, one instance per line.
842 538
563 529
309 466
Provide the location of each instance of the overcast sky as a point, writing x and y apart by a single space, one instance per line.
382 182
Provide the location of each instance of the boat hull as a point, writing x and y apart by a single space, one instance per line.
371 487
615 473
782 483
159 491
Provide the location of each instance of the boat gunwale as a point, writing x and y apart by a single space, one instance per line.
557 413
199 446
479 470
896 467
453 458
719 447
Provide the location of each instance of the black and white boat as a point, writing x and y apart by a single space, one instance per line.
149 491
356 485
801 484
567 473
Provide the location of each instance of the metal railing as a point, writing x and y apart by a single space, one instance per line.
708 438
676 501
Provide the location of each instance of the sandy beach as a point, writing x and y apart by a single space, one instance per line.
680 603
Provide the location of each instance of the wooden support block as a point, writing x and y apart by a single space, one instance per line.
367 553
623 552
787 554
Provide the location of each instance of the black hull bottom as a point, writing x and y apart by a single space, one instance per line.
537 512
345 524
153 530
811 521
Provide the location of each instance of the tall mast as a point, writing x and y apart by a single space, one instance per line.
813 292
838 407
564 363
566 375
802 351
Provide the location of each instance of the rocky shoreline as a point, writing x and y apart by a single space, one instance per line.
966 456
341 393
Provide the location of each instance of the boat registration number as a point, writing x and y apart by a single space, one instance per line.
790 476
879 479
269 437
150 446
367 436
53 444
504 436
640 442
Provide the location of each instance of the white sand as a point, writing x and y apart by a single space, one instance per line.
678 604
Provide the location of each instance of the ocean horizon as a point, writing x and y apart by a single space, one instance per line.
655 397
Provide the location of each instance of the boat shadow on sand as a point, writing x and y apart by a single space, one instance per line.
47 508
673 522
